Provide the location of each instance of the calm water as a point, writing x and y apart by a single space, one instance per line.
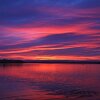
50 82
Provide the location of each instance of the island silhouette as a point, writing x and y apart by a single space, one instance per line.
51 61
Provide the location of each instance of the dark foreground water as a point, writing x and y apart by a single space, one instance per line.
50 82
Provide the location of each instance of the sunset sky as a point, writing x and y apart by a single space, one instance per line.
50 29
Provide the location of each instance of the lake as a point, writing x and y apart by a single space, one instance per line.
49 81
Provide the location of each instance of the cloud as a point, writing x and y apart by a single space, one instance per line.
89 4
49 27
67 44
19 13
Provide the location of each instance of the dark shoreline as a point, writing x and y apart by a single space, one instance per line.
64 61
51 61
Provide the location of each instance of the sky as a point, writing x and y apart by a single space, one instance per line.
50 29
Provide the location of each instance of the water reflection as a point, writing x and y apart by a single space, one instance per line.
49 82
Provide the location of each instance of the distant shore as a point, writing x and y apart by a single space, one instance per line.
51 61
11 61
65 61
